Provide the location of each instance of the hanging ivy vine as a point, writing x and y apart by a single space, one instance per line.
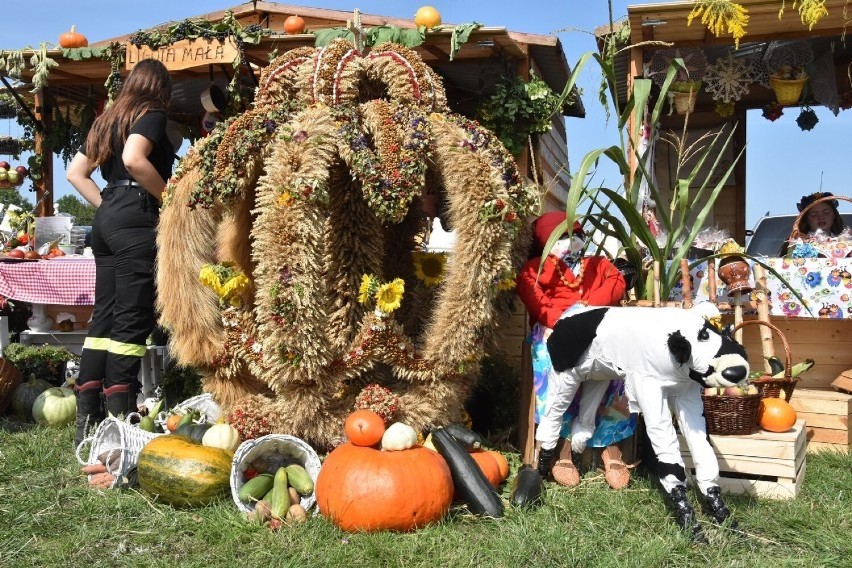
518 109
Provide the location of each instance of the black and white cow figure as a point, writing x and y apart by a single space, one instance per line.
666 357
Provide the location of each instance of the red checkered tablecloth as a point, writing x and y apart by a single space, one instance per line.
65 281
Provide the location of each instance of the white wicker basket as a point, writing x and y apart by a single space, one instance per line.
115 434
210 411
283 444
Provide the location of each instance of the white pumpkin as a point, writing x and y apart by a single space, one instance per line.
223 436
398 436
56 406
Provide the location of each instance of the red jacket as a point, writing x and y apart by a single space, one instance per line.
602 285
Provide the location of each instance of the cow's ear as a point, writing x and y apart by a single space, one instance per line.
679 347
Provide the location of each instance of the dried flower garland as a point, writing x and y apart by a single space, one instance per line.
393 174
378 399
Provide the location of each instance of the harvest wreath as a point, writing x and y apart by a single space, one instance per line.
315 187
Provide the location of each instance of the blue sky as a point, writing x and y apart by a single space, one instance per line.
783 162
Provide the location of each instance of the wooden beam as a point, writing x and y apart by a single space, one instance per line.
43 112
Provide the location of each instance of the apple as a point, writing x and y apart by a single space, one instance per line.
733 391
710 391
752 389
4 165
15 253
12 176
22 171
3 174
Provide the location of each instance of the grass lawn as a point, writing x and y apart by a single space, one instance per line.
49 518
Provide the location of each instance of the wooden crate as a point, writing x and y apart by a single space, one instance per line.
763 464
826 414
843 382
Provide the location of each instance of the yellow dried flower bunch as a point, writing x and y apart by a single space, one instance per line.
720 17
730 246
810 11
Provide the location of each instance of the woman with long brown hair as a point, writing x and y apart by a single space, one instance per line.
128 142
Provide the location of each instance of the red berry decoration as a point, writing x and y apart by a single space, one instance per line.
773 111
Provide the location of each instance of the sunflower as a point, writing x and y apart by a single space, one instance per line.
368 287
429 267
389 296
507 283
233 288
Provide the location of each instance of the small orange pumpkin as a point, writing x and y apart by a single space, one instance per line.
365 489
502 463
294 25
776 415
428 17
73 38
364 428
488 464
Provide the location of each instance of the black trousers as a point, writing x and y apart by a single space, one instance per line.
124 245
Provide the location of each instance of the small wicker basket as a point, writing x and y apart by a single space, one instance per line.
203 402
283 444
114 434
767 385
730 415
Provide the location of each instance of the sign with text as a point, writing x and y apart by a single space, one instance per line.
183 54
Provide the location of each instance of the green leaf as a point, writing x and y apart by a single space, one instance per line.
461 33
327 35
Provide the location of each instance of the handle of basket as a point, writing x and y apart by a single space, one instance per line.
795 233
788 372
77 450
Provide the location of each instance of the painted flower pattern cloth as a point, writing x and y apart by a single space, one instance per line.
614 421
825 284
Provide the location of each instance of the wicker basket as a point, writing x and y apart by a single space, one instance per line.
729 415
10 146
283 444
113 434
210 411
767 385
787 91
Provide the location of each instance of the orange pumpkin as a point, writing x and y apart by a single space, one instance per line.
294 25
488 464
73 38
364 428
502 463
776 415
365 489
428 17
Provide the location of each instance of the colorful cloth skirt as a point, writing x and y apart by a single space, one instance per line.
614 421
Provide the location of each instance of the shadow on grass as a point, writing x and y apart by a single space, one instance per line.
12 424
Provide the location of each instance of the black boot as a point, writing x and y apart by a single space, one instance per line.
715 508
90 409
120 400
684 513
546 459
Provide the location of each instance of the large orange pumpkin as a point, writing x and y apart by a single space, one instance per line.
776 415
364 427
502 463
364 489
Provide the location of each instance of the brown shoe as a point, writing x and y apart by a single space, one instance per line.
615 470
564 471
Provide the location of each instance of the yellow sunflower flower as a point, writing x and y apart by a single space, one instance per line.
233 288
368 282
207 276
429 267
389 296
507 283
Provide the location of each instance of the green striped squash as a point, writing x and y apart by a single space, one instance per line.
182 472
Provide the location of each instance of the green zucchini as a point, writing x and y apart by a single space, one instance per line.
471 484
527 488
465 436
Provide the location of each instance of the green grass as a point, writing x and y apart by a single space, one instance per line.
49 518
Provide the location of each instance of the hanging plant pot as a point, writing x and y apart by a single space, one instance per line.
8 109
685 94
10 146
787 91
734 272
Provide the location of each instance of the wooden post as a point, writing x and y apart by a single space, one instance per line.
526 412
711 279
656 283
738 315
686 283
762 301
44 113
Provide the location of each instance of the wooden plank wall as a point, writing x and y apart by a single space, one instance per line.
826 341
552 163
513 334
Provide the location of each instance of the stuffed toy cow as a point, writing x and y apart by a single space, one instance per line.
666 356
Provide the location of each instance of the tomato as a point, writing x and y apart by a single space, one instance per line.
172 421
